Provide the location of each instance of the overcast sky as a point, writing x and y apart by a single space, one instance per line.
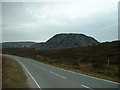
38 21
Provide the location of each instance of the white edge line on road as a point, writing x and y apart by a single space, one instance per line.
57 74
86 87
30 74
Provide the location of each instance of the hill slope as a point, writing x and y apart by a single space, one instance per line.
60 41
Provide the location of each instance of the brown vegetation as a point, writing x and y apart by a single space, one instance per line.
13 75
101 60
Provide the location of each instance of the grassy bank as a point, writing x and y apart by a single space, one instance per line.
13 75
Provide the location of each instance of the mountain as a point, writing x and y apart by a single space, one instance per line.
60 41
17 44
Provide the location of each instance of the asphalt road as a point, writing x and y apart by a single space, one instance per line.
46 76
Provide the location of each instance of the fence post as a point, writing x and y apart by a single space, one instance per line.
108 62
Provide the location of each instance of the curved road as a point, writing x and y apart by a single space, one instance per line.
46 76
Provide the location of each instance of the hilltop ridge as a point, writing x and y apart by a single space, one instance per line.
66 40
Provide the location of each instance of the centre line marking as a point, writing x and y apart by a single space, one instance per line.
57 75
87 87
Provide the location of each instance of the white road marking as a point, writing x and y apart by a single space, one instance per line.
57 74
30 75
87 87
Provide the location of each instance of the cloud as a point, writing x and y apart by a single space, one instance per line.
41 20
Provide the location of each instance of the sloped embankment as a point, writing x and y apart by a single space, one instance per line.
13 75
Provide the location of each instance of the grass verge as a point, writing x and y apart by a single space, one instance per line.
13 75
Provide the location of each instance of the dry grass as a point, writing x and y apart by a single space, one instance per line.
13 75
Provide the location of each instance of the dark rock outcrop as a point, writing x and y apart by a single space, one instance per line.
60 41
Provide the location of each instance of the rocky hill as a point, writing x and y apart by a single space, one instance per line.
60 41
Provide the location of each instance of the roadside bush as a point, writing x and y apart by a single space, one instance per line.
98 66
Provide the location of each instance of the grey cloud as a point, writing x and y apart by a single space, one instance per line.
16 15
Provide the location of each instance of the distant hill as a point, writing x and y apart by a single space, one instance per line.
60 41
17 44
